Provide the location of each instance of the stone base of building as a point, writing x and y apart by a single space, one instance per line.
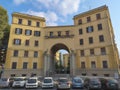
80 72
98 72
22 72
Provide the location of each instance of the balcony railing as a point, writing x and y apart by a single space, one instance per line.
61 36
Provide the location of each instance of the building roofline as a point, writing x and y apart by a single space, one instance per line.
91 11
27 15
59 26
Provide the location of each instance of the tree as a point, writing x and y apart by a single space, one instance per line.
3 22
4 34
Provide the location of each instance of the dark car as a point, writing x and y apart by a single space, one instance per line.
77 82
109 84
92 83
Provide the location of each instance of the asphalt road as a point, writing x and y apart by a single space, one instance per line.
34 89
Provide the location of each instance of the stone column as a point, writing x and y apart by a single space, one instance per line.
72 63
46 65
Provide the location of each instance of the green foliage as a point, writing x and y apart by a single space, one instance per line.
3 22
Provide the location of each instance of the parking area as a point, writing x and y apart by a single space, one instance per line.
86 83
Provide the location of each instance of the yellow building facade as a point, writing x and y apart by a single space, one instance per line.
90 43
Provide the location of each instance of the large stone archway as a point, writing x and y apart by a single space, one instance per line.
49 58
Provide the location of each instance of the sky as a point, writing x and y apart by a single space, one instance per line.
61 12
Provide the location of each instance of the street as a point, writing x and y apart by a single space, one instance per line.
35 89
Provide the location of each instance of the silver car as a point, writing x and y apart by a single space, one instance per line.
63 83
4 82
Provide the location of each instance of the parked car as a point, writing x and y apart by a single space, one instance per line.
19 82
92 83
63 83
47 82
32 83
109 84
77 82
4 82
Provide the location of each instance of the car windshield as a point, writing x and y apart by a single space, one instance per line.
4 79
94 82
18 79
112 81
47 80
77 80
32 80
63 80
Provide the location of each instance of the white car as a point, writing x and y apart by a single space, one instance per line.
47 82
32 83
19 82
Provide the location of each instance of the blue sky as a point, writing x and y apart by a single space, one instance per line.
61 12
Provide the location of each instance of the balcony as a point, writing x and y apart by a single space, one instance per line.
60 36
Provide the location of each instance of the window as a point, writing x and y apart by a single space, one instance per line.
103 51
59 33
93 64
12 75
17 41
15 53
25 53
51 34
90 40
80 31
35 54
67 33
29 23
83 74
98 16
14 65
24 75
89 29
99 26
25 65
106 75
94 74
82 53
88 19
34 65
105 65
27 42
18 31
82 65
91 51
19 21
79 21
36 43
38 24
36 33
81 42
28 32
101 38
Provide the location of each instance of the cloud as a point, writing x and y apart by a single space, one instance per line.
68 7
51 17
17 2
52 10
64 7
